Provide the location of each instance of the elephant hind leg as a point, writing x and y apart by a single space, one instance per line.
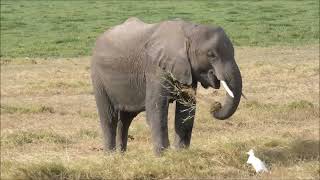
108 118
125 119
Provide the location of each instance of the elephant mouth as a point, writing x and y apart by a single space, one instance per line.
209 79
206 85
214 82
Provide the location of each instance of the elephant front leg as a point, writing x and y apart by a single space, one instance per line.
157 104
184 118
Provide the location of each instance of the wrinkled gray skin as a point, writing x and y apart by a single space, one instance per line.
128 68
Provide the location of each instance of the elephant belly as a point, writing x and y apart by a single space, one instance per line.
126 91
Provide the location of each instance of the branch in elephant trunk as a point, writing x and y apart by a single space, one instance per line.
183 94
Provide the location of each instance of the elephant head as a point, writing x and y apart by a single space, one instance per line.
211 55
199 53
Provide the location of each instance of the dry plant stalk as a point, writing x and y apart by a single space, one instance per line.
183 94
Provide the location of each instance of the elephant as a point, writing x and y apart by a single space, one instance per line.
129 66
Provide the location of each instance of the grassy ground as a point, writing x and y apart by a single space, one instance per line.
68 28
50 128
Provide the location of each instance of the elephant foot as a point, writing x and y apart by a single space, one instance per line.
159 150
109 146
109 151
182 139
181 145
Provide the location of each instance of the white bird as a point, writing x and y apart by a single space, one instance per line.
257 164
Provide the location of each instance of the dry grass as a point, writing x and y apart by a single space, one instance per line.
50 128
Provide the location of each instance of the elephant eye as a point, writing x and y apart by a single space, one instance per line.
211 54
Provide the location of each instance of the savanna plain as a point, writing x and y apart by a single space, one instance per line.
49 122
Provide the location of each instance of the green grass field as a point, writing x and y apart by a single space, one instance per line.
69 28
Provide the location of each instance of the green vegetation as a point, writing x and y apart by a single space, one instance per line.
69 28
300 104
60 85
294 106
27 137
88 134
11 109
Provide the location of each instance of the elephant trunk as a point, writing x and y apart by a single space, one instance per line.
234 82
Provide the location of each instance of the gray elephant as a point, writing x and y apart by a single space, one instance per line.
130 62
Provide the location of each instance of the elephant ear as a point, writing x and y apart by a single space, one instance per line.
167 48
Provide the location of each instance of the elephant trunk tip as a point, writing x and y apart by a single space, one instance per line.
214 108
222 112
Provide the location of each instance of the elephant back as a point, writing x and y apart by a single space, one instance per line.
121 39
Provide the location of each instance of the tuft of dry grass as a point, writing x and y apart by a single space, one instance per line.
50 127
185 95
21 138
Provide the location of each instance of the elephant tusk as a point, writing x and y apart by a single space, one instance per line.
224 84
